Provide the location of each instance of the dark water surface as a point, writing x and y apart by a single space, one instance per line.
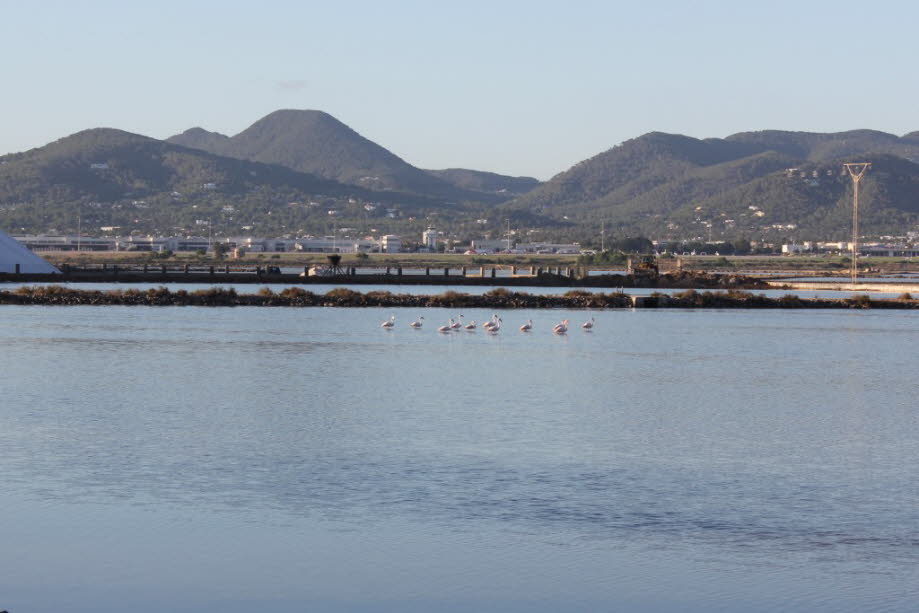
189 459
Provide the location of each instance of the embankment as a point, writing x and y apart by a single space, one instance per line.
499 298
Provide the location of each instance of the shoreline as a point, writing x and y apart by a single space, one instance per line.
498 298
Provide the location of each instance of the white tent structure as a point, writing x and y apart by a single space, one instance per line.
13 253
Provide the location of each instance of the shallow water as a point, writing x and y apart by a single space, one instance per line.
235 459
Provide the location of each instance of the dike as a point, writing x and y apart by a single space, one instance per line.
498 298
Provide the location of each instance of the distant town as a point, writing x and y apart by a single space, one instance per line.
434 241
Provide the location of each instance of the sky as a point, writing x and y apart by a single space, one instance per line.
521 88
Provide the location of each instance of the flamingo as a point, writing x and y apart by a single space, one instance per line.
417 323
470 326
495 326
561 328
446 328
488 325
458 324
588 325
527 326
389 323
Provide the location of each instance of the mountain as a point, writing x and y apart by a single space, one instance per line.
199 138
814 201
820 147
767 185
317 143
108 164
132 181
668 184
488 182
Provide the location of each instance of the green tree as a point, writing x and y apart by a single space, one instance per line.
633 244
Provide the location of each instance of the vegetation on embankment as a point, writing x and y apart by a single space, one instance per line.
499 298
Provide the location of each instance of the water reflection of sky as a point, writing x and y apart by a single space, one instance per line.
287 460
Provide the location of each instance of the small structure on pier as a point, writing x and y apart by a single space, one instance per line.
643 265
333 269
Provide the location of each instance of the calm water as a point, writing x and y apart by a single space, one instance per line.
191 459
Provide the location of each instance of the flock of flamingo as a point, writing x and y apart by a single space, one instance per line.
492 326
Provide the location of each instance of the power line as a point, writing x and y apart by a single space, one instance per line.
856 171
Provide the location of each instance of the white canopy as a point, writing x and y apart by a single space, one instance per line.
13 252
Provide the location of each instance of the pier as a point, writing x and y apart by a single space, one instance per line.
235 274
494 276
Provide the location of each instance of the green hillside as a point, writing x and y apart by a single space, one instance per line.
677 186
769 185
115 178
489 182
315 142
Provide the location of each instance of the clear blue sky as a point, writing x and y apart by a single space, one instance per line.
512 87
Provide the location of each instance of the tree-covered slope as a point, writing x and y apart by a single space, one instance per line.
138 182
317 143
630 169
488 182
671 184
106 164
824 147
199 138
813 201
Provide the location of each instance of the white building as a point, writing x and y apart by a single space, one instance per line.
489 245
890 251
143 243
391 244
557 248
336 245
187 243
66 243
429 238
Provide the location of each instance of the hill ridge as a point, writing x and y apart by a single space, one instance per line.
663 183
763 183
316 142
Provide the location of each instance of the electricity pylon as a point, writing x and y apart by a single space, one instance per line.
856 171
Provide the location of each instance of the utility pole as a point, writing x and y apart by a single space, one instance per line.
856 171
508 236
79 227
602 236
